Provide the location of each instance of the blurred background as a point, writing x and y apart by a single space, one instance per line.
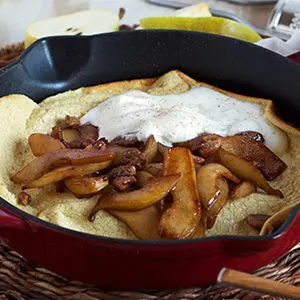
16 15
266 17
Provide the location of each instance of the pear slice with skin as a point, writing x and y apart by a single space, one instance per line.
88 22
215 25
195 11
144 223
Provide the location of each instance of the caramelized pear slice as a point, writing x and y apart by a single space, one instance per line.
155 168
213 189
61 173
71 137
142 178
197 159
276 220
85 185
256 153
242 190
143 223
162 148
218 202
43 143
150 150
156 189
246 171
200 229
181 219
76 137
57 158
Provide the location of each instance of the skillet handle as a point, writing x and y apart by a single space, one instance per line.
295 57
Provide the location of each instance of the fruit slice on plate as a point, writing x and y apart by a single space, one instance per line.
214 25
87 22
196 10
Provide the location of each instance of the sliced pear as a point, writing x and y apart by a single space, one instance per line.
216 25
200 229
249 149
142 178
155 190
196 10
154 169
244 189
246 171
80 136
43 143
62 157
65 172
87 22
181 219
85 185
144 223
213 189
150 150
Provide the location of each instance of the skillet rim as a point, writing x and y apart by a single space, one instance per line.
28 217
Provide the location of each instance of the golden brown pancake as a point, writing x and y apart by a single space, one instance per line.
21 117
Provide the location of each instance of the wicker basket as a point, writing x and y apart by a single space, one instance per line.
20 279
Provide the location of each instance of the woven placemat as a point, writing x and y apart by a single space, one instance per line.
20 279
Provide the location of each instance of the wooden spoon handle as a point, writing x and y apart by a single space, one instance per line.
255 283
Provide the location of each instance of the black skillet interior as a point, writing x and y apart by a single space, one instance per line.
57 64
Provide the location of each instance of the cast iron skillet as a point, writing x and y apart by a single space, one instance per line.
54 65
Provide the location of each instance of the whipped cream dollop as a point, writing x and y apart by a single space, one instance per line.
181 117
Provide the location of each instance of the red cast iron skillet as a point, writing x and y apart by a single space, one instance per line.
55 65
